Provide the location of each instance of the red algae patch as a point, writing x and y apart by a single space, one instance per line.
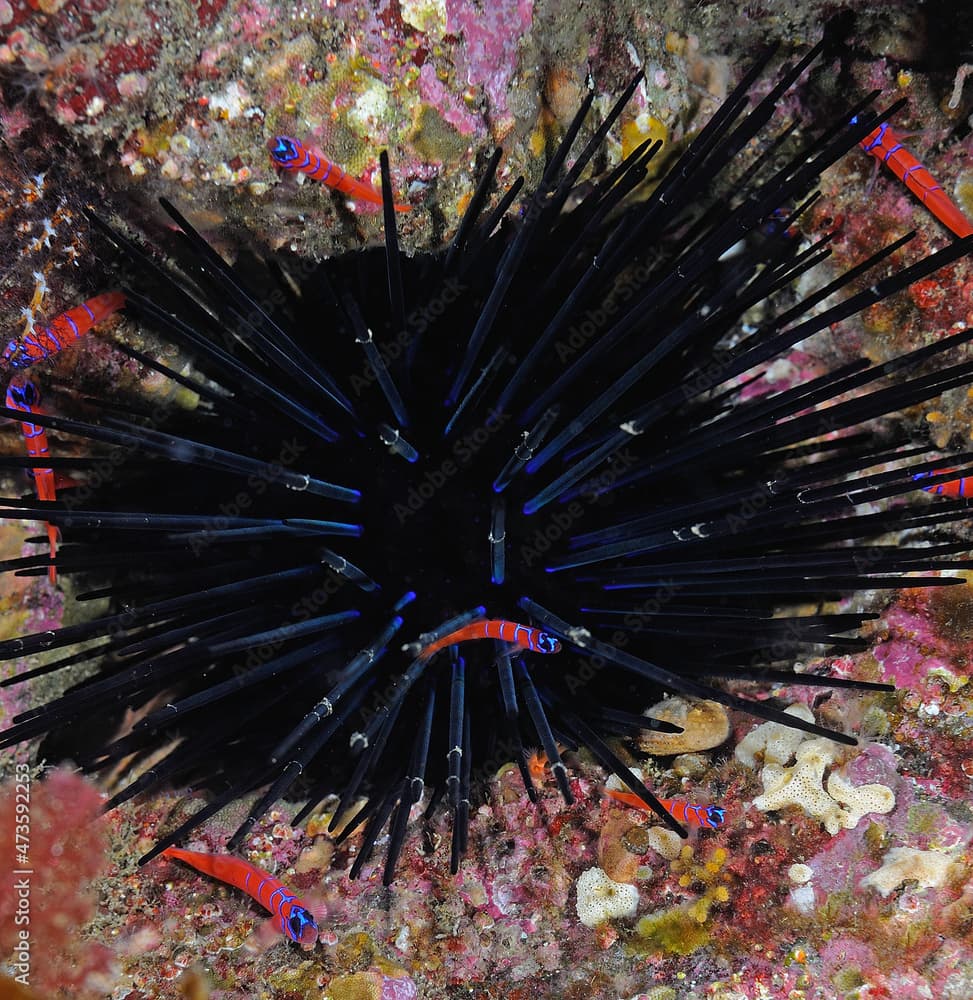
46 902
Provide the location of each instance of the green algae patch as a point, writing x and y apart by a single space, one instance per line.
434 138
679 930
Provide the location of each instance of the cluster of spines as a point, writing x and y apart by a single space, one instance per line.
615 393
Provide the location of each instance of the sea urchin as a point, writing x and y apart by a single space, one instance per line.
560 420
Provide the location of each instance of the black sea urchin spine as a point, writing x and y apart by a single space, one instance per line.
279 557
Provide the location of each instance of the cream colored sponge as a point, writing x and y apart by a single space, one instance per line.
903 864
837 803
601 899
773 742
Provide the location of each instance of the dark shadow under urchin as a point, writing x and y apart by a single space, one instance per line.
542 422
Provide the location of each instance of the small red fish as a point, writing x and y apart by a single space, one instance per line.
537 764
954 488
292 154
885 145
707 817
291 917
45 341
61 332
23 395
532 639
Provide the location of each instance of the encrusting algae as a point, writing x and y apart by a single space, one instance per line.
685 928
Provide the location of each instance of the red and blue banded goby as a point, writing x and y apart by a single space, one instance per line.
61 332
291 154
885 145
532 639
23 395
705 817
953 488
291 917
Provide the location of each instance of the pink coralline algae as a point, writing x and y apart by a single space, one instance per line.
920 654
491 35
907 658
439 95
45 904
